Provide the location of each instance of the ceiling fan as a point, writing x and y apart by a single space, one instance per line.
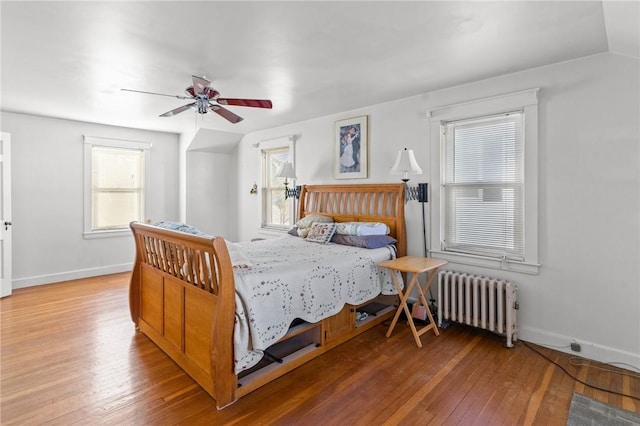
206 98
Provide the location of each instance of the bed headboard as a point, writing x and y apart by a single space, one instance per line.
359 203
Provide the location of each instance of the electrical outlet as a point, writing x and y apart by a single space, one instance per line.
575 346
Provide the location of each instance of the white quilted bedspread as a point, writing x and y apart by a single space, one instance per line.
287 278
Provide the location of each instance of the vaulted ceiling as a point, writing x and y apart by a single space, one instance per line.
71 59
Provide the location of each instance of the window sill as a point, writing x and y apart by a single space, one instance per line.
91 235
488 262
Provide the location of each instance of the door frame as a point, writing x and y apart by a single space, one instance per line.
6 283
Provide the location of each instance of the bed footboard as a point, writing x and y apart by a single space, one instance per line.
182 297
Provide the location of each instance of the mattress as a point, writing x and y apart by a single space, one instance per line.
280 279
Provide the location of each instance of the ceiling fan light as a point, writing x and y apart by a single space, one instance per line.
203 95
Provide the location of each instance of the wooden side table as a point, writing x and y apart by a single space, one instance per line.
414 266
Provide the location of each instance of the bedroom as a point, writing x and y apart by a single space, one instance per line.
588 182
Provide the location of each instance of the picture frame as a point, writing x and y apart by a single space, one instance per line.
351 148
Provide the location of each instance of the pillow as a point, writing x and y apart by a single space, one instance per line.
298 232
182 227
321 232
362 228
307 221
367 241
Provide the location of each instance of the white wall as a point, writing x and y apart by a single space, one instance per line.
185 140
205 164
588 288
47 196
207 193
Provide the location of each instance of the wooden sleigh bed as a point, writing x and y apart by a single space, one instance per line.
183 294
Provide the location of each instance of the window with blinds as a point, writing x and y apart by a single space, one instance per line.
116 176
117 187
483 186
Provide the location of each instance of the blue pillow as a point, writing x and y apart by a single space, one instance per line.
364 241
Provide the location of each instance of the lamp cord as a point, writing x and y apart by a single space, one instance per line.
424 232
425 249
574 377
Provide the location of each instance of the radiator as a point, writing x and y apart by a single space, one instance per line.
484 302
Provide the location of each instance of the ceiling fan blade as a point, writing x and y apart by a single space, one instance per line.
154 93
255 103
178 110
200 84
225 113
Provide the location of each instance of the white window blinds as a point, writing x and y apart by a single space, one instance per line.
117 187
483 186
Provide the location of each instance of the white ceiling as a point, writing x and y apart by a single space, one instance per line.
70 59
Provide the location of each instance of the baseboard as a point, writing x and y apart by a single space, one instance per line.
70 275
588 350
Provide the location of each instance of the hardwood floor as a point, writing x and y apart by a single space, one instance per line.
70 355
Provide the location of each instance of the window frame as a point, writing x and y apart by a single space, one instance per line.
283 143
476 169
527 102
91 141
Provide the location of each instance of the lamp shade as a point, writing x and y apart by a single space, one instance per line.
287 171
406 163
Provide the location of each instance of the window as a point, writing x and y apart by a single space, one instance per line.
115 185
277 212
483 186
484 212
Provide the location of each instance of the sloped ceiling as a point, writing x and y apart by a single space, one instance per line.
622 22
70 59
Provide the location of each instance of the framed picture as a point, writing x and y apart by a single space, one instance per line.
351 148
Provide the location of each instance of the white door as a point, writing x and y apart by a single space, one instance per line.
5 214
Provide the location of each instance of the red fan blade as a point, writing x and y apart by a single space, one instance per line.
178 110
256 103
225 113
200 85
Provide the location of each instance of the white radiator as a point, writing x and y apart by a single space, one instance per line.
483 302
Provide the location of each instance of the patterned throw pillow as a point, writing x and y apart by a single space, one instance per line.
321 232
